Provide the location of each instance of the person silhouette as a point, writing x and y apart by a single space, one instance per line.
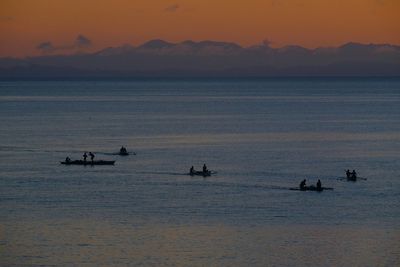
204 168
91 156
319 184
303 184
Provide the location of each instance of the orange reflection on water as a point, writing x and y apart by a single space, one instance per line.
102 243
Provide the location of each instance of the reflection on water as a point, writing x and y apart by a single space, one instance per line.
260 136
83 242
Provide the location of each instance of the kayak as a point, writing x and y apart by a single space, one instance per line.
351 179
123 153
311 188
81 162
200 173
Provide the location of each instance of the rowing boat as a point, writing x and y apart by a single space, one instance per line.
311 188
200 173
351 179
82 162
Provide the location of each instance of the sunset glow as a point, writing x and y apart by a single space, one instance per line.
24 24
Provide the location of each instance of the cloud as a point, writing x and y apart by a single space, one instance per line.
82 41
294 3
380 2
6 18
45 47
383 3
172 8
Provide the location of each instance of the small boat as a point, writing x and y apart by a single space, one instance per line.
352 179
123 153
200 173
352 176
82 162
311 188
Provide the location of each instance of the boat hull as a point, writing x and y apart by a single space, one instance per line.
200 173
351 179
123 153
81 162
311 188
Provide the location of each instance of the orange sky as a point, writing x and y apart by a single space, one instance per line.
26 23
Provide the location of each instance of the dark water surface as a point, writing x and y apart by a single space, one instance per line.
261 136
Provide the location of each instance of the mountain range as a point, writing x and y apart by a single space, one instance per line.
158 58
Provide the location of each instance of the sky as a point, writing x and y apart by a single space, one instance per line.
34 27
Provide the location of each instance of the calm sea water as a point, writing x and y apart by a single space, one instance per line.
260 136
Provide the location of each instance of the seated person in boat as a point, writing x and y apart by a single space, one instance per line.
67 160
303 184
122 150
348 173
205 168
191 170
84 156
91 156
319 184
354 174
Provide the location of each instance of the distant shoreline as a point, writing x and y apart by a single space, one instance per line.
200 79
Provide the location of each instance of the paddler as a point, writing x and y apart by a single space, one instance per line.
354 174
303 184
91 156
319 185
204 168
191 170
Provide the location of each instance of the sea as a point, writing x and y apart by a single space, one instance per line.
260 137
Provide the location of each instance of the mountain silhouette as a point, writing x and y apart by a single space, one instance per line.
156 44
158 58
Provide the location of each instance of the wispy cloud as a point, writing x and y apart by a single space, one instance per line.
276 3
81 42
383 2
45 47
6 18
172 8
296 3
